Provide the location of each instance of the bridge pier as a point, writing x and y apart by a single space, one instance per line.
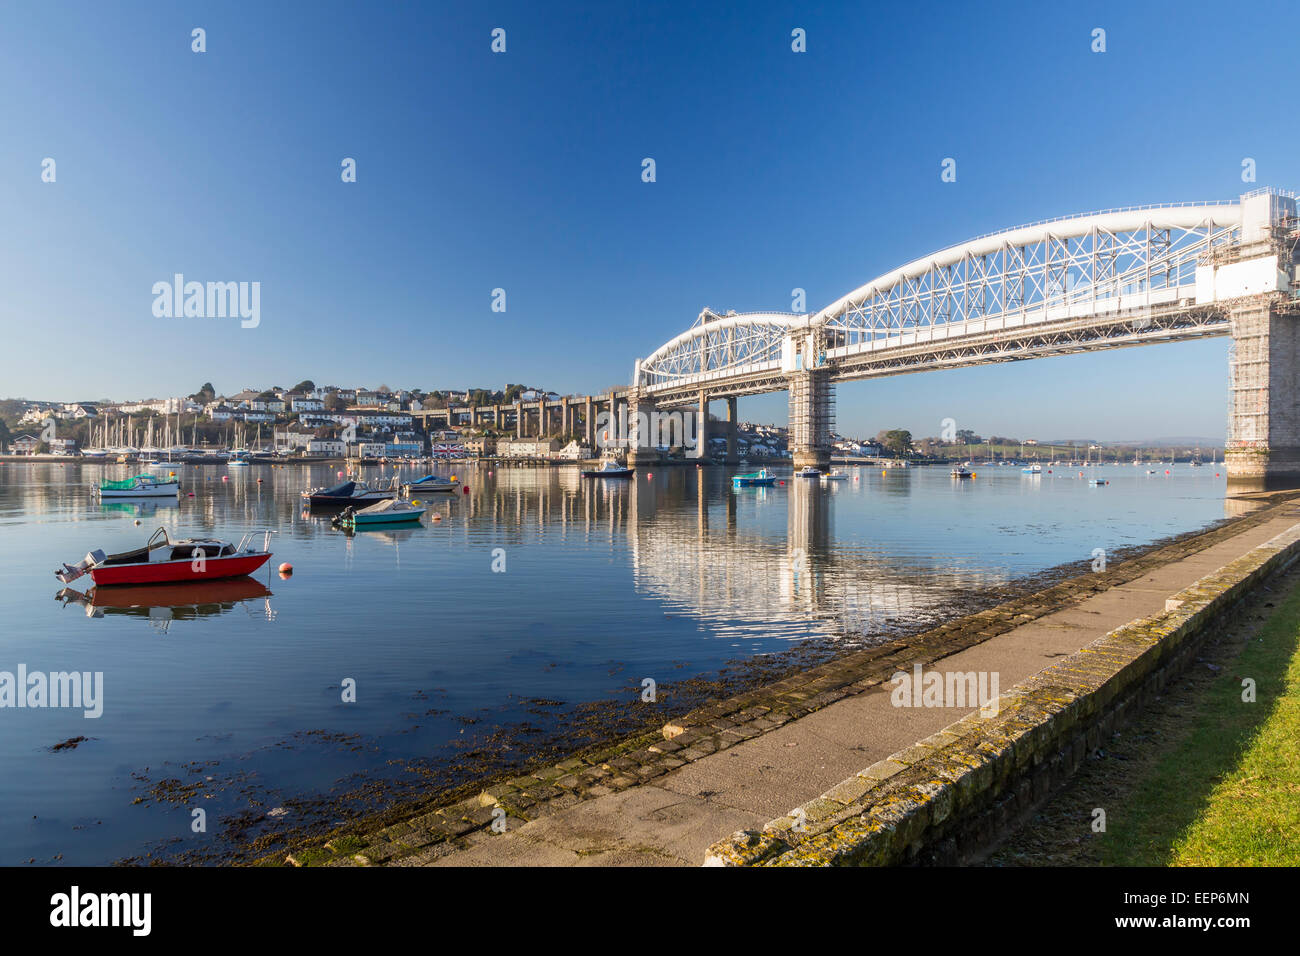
732 458
811 418
642 440
702 430
1263 447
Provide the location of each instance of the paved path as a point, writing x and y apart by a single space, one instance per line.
673 820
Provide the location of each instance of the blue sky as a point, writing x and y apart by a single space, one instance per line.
522 171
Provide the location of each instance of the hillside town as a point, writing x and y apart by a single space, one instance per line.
328 421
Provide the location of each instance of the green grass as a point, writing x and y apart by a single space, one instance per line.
1228 794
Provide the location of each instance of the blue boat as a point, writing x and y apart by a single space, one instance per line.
431 484
755 479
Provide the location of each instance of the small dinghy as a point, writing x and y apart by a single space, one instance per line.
354 493
141 486
392 511
757 479
610 469
835 476
431 484
164 561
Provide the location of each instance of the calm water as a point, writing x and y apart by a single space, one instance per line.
605 583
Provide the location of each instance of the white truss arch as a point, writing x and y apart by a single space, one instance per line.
1098 280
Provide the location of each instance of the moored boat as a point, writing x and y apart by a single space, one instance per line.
391 511
756 479
163 561
808 472
140 486
610 469
431 484
835 476
1032 470
352 492
961 471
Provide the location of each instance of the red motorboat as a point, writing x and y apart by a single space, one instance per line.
164 561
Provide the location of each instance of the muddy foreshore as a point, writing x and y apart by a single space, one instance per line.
489 752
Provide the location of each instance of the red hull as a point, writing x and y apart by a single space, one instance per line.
172 572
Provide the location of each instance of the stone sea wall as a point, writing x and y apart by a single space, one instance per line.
945 799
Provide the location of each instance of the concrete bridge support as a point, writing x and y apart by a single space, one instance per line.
1263 448
642 440
732 457
812 418
702 429
519 419
588 423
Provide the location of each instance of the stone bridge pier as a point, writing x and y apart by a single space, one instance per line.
1263 447
812 418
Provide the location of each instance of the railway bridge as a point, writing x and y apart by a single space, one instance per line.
1113 279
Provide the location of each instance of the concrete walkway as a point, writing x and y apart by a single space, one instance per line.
674 819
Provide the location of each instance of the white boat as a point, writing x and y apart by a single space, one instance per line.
431 484
385 512
808 472
835 476
141 486
1032 470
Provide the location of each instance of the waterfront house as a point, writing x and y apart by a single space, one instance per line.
328 447
574 451
26 445
527 447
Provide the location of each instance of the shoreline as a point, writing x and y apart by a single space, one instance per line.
601 731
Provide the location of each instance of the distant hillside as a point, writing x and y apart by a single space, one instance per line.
1174 441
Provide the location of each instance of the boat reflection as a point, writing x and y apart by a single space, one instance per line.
160 604
140 508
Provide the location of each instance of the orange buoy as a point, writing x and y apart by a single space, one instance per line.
286 568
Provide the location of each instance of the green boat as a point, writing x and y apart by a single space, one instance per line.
756 479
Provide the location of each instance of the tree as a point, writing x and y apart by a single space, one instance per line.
333 403
896 440
306 385
205 394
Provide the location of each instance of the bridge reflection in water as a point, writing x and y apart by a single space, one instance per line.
910 547
738 565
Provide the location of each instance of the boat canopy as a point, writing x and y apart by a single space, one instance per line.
125 484
339 491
